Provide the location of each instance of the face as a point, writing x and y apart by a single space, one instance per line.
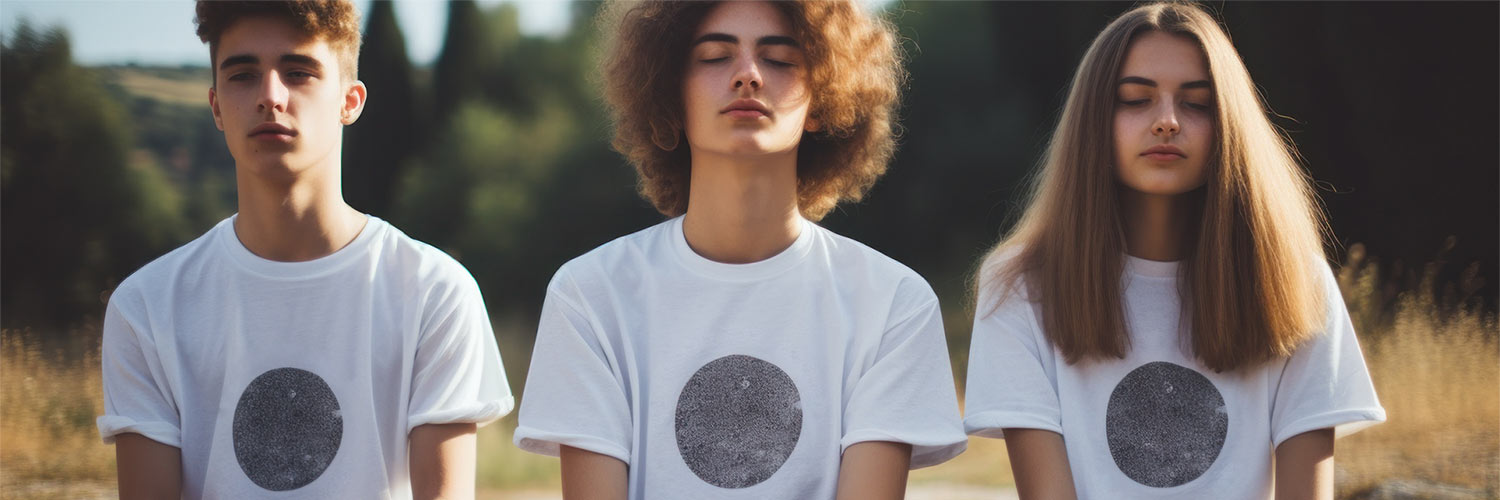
1164 116
279 98
745 87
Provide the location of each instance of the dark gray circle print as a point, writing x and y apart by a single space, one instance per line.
738 419
287 428
1166 424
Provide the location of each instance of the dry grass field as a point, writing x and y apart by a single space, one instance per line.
1434 358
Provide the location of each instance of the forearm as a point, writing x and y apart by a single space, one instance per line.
1304 466
442 461
1039 460
592 476
874 470
147 470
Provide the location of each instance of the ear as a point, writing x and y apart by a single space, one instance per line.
213 104
354 102
812 124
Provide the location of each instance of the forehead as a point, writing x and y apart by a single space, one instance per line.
748 20
1166 58
268 38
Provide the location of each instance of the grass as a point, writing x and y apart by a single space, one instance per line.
1436 367
1433 355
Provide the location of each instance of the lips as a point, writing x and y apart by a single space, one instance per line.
1164 152
746 108
273 129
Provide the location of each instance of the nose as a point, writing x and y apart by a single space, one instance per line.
747 75
1166 119
273 93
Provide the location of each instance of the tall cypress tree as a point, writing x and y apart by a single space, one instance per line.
465 46
390 130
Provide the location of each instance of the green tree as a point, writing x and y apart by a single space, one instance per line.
467 53
78 210
383 141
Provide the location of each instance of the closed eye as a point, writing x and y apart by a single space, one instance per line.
779 64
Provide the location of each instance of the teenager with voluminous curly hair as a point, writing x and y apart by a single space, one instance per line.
738 350
1162 321
300 348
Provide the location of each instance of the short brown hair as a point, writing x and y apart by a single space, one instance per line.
855 76
336 21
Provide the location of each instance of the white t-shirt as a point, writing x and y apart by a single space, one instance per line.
298 378
717 380
1158 424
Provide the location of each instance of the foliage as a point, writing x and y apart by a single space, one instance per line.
79 210
388 133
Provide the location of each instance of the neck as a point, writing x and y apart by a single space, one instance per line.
1155 225
296 219
742 210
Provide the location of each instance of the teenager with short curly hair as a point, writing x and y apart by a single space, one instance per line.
299 349
738 350
1162 322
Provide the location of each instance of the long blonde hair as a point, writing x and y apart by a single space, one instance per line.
1250 283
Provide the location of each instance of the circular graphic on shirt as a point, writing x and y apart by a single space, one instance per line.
1166 424
738 419
287 428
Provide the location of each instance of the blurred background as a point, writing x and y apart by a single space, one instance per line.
484 136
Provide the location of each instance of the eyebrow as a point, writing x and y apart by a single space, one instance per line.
287 58
1195 84
765 40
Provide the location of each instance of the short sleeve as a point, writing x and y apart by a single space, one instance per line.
457 376
1008 385
573 395
137 397
907 394
1325 383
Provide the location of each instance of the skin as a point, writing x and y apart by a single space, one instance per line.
442 461
291 205
291 208
1164 96
742 203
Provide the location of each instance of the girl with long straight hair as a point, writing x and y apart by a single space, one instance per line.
1162 321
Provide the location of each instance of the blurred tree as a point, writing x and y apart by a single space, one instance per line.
78 211
467 52
382 142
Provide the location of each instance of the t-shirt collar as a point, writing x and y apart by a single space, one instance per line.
762 269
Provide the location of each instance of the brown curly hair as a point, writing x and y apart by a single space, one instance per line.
335 21
855 75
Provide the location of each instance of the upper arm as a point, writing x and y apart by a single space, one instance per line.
442 461
874 470
1039 460
589 475
1304 466
147 469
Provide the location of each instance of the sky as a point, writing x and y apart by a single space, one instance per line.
160 32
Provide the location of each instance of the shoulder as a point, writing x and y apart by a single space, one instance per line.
417 265
174 269
862 269
620 262
999 281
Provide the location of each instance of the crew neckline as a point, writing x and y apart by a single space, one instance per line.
761 269
1151 268
230 242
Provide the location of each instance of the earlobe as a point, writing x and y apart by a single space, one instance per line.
354 103
213 106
